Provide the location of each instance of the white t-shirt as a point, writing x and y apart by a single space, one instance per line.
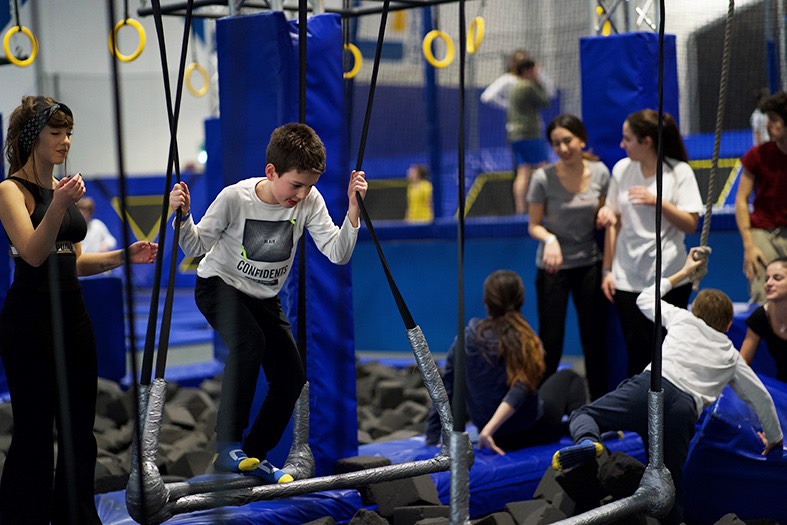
250 245
634 264
759 124
98 239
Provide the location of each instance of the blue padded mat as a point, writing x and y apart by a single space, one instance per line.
494 481
725 471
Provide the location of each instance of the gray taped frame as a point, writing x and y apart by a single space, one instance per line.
460 478
300 460
296 488
434 384
146 493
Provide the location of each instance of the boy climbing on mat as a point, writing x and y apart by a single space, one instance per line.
249 235
698 361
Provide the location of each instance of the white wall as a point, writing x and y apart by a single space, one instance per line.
73 65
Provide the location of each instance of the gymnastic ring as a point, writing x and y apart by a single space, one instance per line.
357 58
475 34
191 68
7 48
449 48
114 36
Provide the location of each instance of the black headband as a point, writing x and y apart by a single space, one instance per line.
34 126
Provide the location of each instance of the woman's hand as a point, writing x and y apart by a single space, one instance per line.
180 197
641 195
68 191
142 252
485 440
553 256
608 286
606 217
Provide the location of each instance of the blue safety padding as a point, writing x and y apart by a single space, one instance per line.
725 471
258 86
619 76
494 481
104 301
341 504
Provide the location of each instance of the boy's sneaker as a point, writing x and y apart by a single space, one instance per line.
574 455
270 474
230 457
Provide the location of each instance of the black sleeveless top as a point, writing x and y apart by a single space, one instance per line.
72 229
758 322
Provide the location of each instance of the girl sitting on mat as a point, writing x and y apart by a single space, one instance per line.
505 366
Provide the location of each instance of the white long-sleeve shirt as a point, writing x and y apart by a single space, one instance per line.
701 361
250 245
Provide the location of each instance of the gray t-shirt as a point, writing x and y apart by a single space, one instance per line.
571 217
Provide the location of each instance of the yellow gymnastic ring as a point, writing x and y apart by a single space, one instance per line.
191 68
7 48
475 34
357 58
449 48
113 50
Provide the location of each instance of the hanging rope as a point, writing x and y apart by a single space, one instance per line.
705 250
460 386
172 161
655 376
129 291
403 310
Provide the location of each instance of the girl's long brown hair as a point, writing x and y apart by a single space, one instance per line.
519 348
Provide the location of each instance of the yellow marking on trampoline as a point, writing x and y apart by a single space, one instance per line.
478 185
732 176
386 184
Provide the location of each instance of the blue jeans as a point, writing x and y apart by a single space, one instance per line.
626 408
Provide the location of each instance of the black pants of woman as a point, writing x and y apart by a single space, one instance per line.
257 334
584 284
638 329
28 494
562 393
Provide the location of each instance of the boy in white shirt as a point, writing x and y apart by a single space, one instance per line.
249 235
698 361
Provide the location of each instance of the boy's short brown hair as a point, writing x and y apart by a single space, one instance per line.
713 307
295 146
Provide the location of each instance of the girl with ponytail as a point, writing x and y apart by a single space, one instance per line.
505 366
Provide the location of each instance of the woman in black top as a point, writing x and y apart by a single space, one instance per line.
769 321
46 339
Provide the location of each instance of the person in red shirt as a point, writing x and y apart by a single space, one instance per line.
764 230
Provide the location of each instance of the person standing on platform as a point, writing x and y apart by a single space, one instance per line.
763 230
46 339
563 201
629 264
249 236
523 128
419 194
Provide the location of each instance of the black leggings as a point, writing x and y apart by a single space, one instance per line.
562 393
27 492
638 329
257 333
584 284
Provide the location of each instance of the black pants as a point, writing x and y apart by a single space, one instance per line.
638 329
626 408
28 494
562 393
257 333
552 290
